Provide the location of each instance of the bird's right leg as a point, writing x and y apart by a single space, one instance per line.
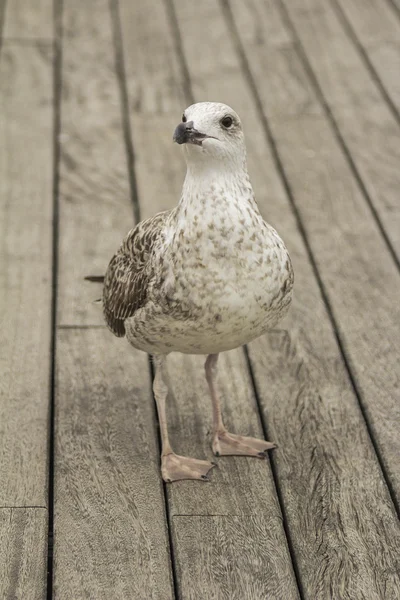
173 466
225 443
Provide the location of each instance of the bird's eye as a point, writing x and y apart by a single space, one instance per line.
227 122
184 119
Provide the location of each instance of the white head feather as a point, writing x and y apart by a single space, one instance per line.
225 140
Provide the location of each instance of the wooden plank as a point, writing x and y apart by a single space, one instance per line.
95 210
374 20
339 224
29 20
155 83
321 517
2 13
23 558
367 126
110 531
241 571
25 272
109 521
378 34
385 57
325 486
396 5
363 260
240 486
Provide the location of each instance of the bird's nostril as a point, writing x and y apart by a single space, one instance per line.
189 125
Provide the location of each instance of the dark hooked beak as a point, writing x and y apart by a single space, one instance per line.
186 134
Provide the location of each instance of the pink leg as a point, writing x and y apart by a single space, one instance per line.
225 443
173 466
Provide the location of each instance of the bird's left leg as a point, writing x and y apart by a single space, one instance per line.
173 466
225 443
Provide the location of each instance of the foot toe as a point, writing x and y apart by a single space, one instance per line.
176 468
230 444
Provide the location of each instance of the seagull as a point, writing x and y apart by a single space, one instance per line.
205 277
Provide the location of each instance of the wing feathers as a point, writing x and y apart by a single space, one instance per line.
128 274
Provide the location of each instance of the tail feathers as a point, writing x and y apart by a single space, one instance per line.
95 278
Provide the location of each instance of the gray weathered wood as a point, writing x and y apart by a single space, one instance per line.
366 124
110 529
155 83
354 552
363 274
110 526
342 445
378 32
25 272
374 20
240 486
23 558
29 20
95 210
396 5
241 571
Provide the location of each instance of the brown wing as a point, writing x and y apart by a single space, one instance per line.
127 276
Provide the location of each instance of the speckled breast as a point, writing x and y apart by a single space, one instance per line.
235 299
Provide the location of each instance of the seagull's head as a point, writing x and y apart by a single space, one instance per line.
211 132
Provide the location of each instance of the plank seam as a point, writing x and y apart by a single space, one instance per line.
302 231
30 507
188 88
352 36
394 7
65 326
57 81
126 123
243 516
28 42
121 75
168 516
2 19
177 40
335 128
274 471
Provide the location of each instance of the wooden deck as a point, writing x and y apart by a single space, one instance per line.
90 92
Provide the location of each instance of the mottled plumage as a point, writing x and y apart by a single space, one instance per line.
129 274
207 276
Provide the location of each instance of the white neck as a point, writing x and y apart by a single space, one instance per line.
213 185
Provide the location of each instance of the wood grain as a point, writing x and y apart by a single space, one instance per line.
23 560
366 124
378 34
378 22
385 57
155 84
29 20
326 405
342 225
396 5
361 281
25 272
322 489
110 529
240 486
235 559
110 524
95 208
